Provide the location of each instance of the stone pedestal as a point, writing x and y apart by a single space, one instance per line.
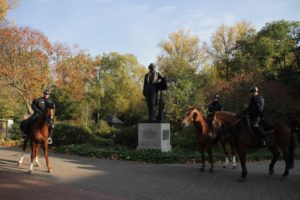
154 136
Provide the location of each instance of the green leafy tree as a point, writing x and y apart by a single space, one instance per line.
74 74
181 61
224 47
121 79
277 45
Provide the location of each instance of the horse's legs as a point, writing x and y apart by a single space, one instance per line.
233 157
242 155
233 162
202 159
211 158
46 155
38 164
275 154
286 159
223 144
33 155
23 151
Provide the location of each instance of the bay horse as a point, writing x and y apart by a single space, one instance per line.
243 138
38 134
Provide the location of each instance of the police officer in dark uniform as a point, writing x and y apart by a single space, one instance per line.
214 106
38 106
150 90
255 111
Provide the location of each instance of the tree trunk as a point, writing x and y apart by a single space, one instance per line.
25 100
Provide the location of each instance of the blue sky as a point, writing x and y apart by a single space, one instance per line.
137 27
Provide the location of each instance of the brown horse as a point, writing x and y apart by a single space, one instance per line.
39 132
242 138
193 115
223 143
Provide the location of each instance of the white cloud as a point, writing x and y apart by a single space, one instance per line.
202 23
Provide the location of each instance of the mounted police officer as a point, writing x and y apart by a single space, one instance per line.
38 106
213 107
255 111
150 90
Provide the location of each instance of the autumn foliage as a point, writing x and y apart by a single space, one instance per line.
24 63
87 89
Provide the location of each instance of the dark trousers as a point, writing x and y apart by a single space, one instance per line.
151 98
255 123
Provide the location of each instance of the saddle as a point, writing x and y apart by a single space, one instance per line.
264 124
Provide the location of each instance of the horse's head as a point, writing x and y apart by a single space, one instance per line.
50 111
194 115
190 116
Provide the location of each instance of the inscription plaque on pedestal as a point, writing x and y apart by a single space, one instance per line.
154 136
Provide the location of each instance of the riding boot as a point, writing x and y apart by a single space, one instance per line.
262 136
222 133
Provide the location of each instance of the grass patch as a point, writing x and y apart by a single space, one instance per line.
10 142
177 155
154 156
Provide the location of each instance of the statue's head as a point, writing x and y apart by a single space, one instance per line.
152 67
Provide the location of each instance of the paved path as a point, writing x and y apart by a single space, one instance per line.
77 177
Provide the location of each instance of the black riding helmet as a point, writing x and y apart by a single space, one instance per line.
46 92
216 96
253 89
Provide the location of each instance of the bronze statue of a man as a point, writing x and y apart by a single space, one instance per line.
152 84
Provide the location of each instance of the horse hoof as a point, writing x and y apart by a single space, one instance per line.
211 171
282 178
38 165
271 172
242 180
30 172
49 170
202 170
224 166
233 167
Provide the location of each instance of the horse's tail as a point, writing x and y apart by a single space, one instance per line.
291 150
23 125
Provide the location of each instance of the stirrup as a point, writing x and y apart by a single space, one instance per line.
24 136
263 143
49 140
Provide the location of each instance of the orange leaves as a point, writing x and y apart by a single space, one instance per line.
24 61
